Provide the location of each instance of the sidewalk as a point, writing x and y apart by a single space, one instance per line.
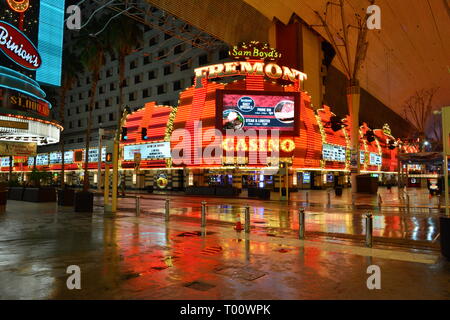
126 257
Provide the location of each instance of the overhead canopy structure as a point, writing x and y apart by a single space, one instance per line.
410 52
421 157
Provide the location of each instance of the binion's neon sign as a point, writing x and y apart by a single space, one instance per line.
17 47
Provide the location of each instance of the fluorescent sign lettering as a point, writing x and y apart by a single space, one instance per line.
375 159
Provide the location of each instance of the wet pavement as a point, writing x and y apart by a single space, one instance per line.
127 257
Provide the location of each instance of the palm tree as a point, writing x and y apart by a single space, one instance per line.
124 36
71 67
92 57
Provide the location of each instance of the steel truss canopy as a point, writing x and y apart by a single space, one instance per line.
150 16
410 52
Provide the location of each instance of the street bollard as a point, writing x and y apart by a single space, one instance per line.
247 219
301 223
307 197
407 202
329 199
380 201
203 214
369 230
167 211
138 206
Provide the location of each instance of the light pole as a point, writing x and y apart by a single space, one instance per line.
101 132
115 173
446 152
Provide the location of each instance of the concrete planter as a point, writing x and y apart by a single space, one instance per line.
84 201
16 193
3 200
444 223
43 194
66 197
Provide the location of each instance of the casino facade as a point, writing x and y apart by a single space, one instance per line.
280 139
30 55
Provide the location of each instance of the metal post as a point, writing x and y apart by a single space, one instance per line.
380 201
439 201
353 200
138 206
329 199
247 219
301 223
407 202
99 159
369 230
307 198
167 211
203 214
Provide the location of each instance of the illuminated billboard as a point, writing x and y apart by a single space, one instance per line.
148 151
333 152
258 110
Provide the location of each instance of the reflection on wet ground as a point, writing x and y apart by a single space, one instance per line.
386 224
126 257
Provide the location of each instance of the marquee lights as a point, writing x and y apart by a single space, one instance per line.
19 6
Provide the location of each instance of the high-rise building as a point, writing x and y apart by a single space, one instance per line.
157 71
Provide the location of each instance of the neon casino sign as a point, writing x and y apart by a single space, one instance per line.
19 6
270 70
17 47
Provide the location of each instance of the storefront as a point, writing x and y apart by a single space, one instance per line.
245 127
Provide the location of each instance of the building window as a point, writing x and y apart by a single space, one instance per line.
86 108
178 49
107 102
99 119
184 65
97 106
177 85
147 59
151 75
71 140
80 96
223 54
131 96
79 123
153 41
161 53
161 89
203 59
101 89
77 110
112 86
133 64
109 72
111 116
71 99
138 78
88 80
70 125
167 36
167 70
80 140
69 112
146 93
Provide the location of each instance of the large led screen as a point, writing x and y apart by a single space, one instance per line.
258 110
